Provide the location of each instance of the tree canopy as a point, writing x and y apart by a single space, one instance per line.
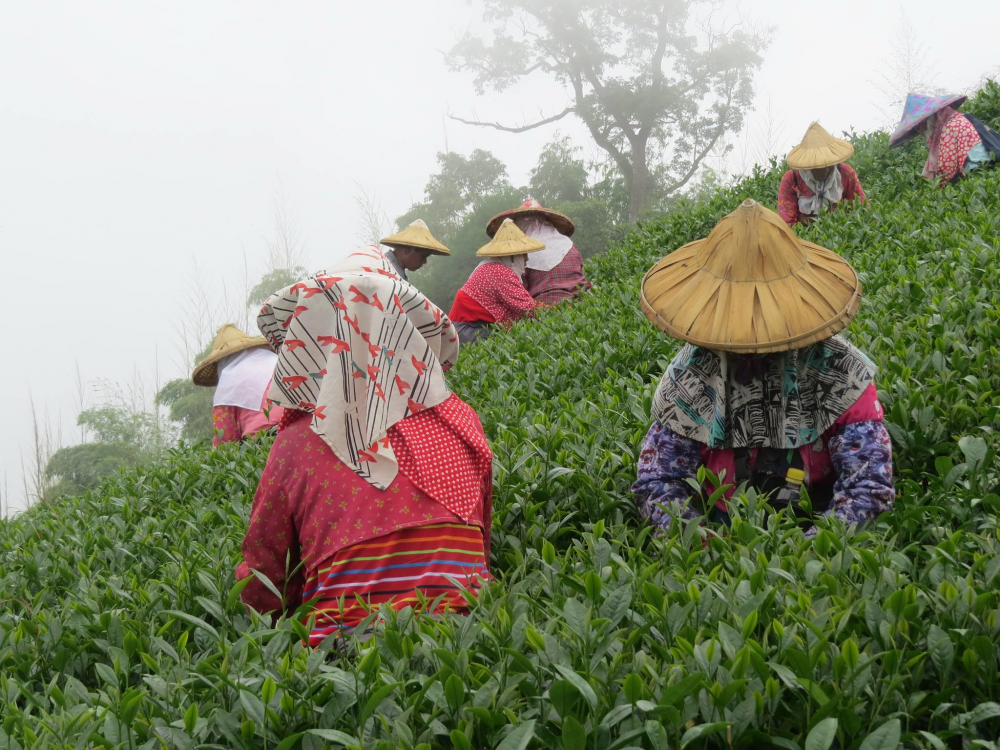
650 90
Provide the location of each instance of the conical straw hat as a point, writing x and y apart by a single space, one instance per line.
819 149
751 286
531 207
416 235
916 110
229 340
509 240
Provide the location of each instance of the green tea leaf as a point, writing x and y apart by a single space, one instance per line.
822 735
886 737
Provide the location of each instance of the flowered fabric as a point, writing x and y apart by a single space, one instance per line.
225 426
310 507
917 109
359 349
500 292
783 400
230 424
793 187
855 454
565 281
949 143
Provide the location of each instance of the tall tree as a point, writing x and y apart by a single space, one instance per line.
559 175
646 87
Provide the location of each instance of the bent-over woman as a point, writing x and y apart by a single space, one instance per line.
494 294
957 143
819 179
554 273
240 368
764 390
378 489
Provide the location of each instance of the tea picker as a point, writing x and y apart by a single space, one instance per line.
764 391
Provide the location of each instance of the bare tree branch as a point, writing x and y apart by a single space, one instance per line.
515 129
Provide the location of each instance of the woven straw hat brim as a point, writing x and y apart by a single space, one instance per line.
902 134
416 237
560 221
812 303
507 248
817 158
206 372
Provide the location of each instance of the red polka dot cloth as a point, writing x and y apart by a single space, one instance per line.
949 144
499 290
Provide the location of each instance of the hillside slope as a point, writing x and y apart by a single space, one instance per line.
121 625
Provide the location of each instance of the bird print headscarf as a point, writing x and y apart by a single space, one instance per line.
359 349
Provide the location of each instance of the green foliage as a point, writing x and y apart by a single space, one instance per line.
559 176
118 437
454 191
190 406
272 281
122 625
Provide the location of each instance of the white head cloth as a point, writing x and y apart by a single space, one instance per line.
244 377
557 244
825 193
516 263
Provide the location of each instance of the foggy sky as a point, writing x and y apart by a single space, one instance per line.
138 137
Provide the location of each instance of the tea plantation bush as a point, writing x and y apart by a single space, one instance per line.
121 625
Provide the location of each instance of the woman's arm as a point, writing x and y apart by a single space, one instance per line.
861 454
666 462
788 200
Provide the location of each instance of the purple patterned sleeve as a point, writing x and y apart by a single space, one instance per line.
862 462
666 462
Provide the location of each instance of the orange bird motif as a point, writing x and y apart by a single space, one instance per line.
306 405
295 287
353 323
340 304
399 305
294 381
373 371
358 372
311 291
319 412
365 457
414 406
376 303
295 313
338 345
402 385
379 392
293 344
437 317
453 339
420 366
386 273
318 375
358 296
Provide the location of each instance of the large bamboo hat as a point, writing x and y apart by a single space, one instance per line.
751 286
531 207
229 340
419 235
917 109
819 149
509 240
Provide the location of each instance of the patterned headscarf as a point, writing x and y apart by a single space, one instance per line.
784 400
358 349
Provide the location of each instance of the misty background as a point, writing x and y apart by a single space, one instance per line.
147 147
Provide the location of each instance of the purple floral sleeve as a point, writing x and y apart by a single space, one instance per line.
862 462
666 462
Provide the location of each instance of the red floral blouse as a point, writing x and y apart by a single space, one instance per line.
792 186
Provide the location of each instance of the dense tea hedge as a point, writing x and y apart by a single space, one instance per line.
121 625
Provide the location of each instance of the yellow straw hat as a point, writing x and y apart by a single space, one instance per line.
531 207
509 240
751 286
229 340
819 149
416 235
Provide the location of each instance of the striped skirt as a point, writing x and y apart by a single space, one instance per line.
426 567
